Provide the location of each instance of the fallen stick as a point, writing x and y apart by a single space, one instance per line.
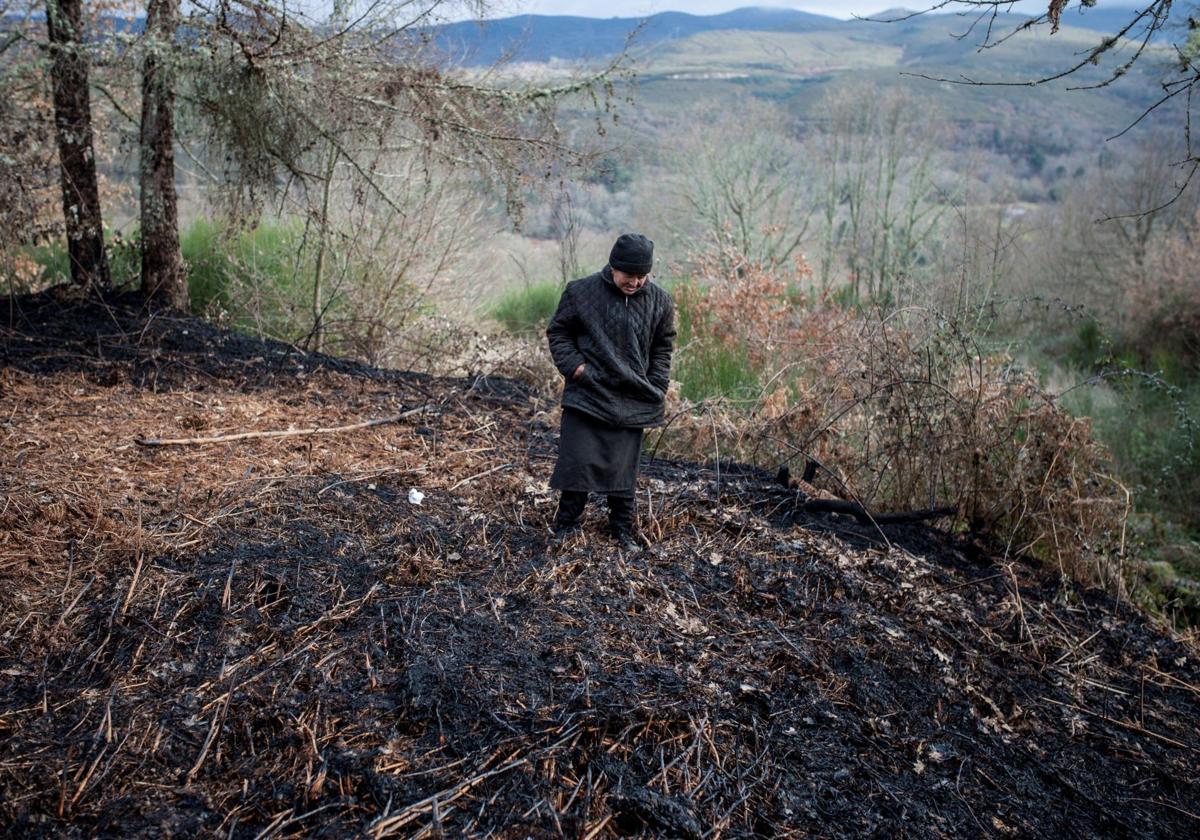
471 478
214 727
389 825
316 430
866 518
1133 727
858 511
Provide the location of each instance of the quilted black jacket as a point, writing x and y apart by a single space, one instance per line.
625 343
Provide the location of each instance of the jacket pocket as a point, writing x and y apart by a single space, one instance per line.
592 375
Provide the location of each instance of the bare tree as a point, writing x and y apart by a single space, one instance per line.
385 261
164 279
742 183
1093 246
565 224
30 190
327 117
76 152
979 252
1143 180
880 201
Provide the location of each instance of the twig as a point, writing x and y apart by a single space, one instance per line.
479 475
316 430
1016 590
598 827
133 582
69 609
865 517
1130 726
391 824
368 477
218 720
1194 689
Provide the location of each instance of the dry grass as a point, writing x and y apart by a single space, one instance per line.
93 493
905 410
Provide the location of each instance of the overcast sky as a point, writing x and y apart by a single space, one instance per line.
642 8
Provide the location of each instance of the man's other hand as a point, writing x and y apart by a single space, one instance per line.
578 371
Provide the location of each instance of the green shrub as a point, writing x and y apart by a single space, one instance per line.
259 278
1151 428
124 261
1091 347
208 268
1169 575
706 370
529 308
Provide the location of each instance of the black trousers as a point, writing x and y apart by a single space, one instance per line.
621 509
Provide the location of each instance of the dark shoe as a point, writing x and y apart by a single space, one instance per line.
570 508
627 541
563 533
622 519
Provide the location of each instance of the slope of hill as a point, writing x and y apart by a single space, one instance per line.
798 69
763 55
797 60
266 637
921 45
546 37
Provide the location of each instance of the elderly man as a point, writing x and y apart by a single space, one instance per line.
611 338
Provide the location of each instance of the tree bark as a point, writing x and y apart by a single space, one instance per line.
76 155
164 280
318 311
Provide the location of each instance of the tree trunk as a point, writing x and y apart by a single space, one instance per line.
318 310
164 280
76 156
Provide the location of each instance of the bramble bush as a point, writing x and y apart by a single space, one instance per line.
902 408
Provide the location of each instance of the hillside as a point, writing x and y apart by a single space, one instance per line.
761 55
266 637
797 59
541 38
565 37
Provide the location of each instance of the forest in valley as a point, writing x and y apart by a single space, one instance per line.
922 520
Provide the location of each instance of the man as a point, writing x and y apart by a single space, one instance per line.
611 338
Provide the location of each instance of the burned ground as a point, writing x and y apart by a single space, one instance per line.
266 638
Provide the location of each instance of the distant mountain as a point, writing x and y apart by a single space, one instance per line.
114 22
1112 19
543 38
898 13
547 37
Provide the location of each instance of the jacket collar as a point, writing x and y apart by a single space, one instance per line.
606 273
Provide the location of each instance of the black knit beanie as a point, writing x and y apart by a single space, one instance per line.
632 253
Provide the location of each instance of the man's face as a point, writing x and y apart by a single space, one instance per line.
629 283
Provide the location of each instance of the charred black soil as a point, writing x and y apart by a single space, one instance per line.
269 638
